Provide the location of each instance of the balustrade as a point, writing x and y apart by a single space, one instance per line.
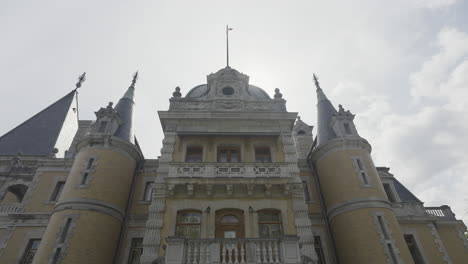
209 169
233 251
444 212
11 209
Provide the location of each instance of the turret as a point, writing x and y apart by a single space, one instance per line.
95 196
362 222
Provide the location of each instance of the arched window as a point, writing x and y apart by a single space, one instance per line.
188 224
269 223
15 193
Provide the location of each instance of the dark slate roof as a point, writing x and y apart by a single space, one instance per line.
38 135
404 194
125 109
325 112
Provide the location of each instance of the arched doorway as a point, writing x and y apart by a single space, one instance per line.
229 223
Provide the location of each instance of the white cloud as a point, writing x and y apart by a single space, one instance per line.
426 148
435 4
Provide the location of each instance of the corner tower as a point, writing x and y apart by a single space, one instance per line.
362 222
86 223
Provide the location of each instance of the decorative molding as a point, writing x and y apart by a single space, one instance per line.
386 238
358 203
91 205
339 144
439 243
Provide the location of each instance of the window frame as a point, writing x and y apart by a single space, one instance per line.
28 249
318 246
147 192
57 192
134 248
270 223
270 156
194 147
178 224
229 149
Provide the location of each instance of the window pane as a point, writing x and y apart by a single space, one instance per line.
188 217
135 251
148 191
30 251
57 191
262 154
194 154
234 156
229 219
275 230
223 156
188 231
268 217
264 232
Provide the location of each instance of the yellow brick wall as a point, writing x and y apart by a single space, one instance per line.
92 240
454 245
17 243
41 191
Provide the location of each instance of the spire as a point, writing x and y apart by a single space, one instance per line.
325 112
125 109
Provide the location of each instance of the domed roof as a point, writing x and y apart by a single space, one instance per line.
202 90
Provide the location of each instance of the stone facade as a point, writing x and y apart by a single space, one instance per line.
239 180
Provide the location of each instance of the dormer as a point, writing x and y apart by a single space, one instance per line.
342 123
228 83
107 121
303 138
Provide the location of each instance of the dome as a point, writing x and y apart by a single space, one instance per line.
202 90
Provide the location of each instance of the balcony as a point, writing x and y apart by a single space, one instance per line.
442 213
10 209
284 250
229 170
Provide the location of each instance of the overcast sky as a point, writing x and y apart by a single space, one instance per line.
401 66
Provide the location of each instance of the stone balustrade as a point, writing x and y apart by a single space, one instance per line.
284 250
230 170
443 212
11 209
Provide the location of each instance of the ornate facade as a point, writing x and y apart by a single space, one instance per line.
239 180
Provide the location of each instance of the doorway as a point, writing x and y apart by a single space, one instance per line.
229 223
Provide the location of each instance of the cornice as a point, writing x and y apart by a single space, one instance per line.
106 141
340 144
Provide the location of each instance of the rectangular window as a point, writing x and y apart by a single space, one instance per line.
188 224
57 191
148 192
135 251
56 256
30 251
262 154
84 179
269 224
306 191
364 178
90 164
228 154
389 192
194 154
102 127
413 248
319 250
63 236
347 128
387 237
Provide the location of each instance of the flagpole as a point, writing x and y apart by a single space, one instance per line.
227 45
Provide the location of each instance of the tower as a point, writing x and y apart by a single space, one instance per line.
96 193
363 225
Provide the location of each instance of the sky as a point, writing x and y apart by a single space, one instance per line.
401 66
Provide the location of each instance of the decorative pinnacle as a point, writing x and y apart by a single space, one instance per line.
317 84
135 78
81 79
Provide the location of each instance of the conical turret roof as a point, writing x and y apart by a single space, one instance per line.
325 112
125 109
39 134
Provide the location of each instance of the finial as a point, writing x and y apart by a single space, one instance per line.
135 78
81 79
340 108
278 95
298 118
109 106
177 92
317 84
